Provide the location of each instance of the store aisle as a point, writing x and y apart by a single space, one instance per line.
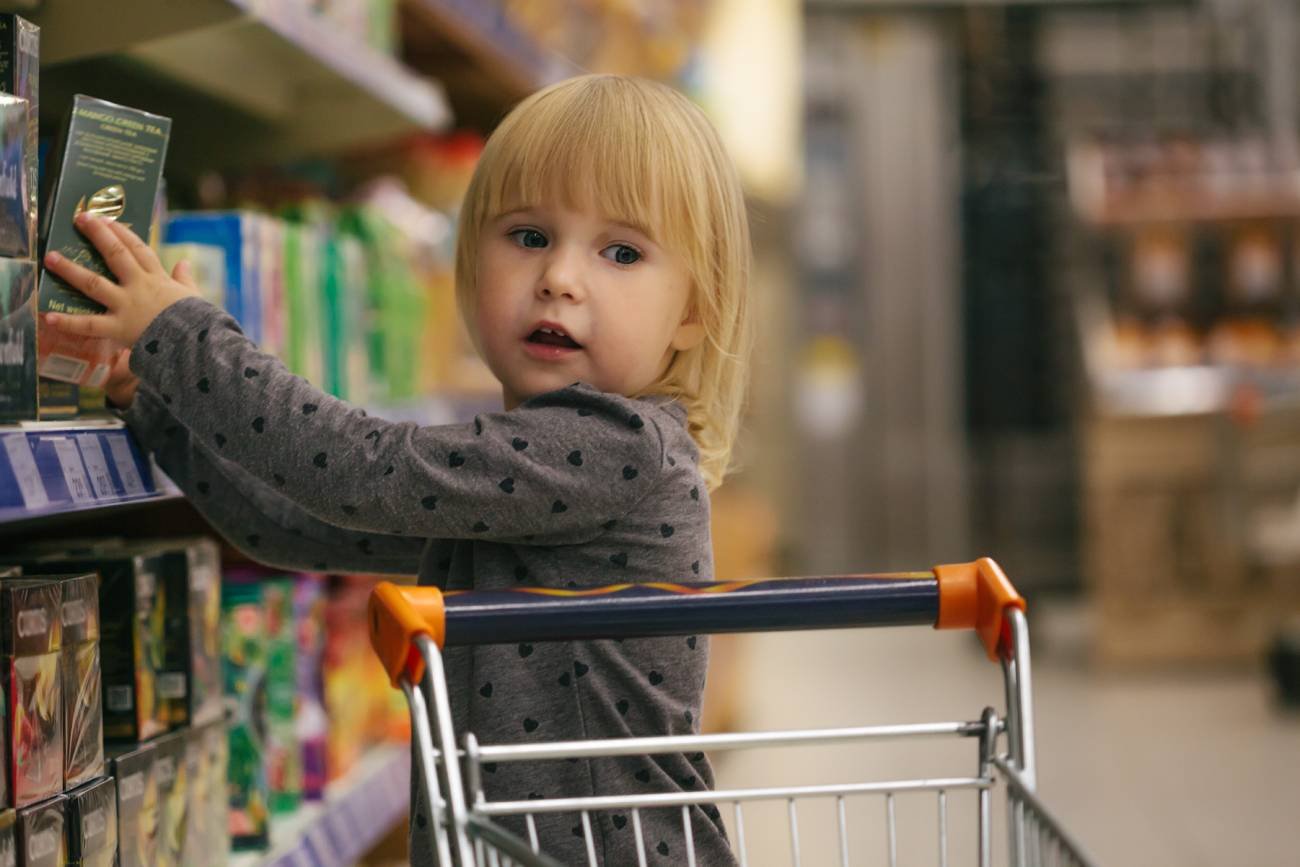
1157 769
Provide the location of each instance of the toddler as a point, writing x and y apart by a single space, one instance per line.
601 269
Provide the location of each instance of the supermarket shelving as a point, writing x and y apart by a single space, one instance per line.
246 80
358 811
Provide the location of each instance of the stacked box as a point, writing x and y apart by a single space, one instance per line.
57 400
208 841
244 656
18 390
42 840
237 233
15 224
92 824
313 723
29 644
170 771
137 807
283 756
202 657
8 838
110 165
132 640
83 710
20 49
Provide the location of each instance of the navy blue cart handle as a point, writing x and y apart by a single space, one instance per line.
972 595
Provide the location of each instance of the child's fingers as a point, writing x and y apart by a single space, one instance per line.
143 253
121 261
184 274
94 286
83 326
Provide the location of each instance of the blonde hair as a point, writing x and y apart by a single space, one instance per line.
641 153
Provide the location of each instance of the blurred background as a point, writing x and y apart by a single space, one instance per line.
1028 286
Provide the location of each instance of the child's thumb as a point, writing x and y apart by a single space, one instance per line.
183 273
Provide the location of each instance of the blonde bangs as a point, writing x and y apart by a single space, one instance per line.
637 152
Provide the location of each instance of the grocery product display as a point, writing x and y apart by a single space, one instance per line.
92 824
42 833
83 714
33 687
18 390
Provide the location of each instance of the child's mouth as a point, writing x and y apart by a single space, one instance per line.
550 337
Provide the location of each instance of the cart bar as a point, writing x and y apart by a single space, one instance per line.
969 595
977 596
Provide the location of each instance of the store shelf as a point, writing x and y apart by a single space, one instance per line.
357 812
86 469
245 80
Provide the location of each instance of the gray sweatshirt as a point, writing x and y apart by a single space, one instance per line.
574 487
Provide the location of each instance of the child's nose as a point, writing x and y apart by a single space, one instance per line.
562 278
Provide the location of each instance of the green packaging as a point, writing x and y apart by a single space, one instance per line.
171 773
92 824
83 711
137 806
29 646
283 752
110 164
244 658
20 55
18 391
42 841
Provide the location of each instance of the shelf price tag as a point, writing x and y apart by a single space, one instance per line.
24 467
74 474
92 453
125 462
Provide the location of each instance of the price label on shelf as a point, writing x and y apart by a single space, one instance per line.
23 465
92 454
74 474
126 468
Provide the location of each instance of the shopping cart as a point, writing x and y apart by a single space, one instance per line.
410 625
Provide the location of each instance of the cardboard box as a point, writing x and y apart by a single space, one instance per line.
238 234
244 656
137 806
16 199
18 390
172 775
42 841
207 843
57 400
132 638
92 824
110 164
8 838
283 754
83 709
29 646
20 56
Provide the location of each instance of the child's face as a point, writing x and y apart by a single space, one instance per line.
617 297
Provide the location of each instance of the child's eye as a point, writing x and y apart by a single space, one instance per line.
528 238
622 254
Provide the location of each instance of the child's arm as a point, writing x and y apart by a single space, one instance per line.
556 471
261 523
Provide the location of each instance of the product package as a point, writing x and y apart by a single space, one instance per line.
302 292
209 838
312 722
83 710
171 772
16 199
29 645
8 838
199 589
110 164
132 638
57 400
283 756
42 840
20 56
137 806
237 233
244 655
92 824
18 390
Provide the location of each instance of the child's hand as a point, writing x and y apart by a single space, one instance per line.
122 383
145 289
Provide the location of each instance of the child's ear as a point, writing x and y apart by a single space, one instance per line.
688 335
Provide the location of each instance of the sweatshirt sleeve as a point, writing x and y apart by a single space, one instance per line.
553 471
263 524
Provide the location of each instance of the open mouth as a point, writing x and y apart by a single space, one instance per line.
553 337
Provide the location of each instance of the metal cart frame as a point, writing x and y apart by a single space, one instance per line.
410 625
